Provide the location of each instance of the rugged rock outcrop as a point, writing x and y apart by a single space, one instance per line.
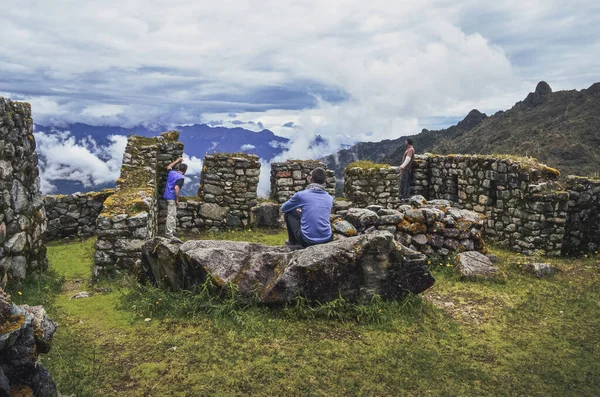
353 268
25 332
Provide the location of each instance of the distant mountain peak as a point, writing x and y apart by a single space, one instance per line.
473 118
539 96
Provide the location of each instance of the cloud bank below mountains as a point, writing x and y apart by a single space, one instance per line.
62 157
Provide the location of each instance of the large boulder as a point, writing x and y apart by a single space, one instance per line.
354 268
24 333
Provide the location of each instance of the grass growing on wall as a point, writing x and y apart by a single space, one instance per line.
366 164
521 336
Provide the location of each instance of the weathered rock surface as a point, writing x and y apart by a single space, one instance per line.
267 215
24 333
475 264
354 268
345 228
540 269
361 218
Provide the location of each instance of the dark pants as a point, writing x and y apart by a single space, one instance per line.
405 184
292 221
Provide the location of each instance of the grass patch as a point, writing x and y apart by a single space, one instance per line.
366 164
72 260
523 336
262 236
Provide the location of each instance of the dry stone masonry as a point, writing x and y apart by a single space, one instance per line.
524 205
228 189
434 228
130 215
377 185
582 232
74 214
22 214
291 176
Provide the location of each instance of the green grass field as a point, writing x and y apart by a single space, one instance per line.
514 336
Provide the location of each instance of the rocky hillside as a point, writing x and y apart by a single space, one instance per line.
561 129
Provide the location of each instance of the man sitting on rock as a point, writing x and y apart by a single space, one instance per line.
174 184
307 213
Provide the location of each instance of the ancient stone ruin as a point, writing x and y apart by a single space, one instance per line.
376 185
525 207
582 228
291 176
517 203
434 229
130 216
74 214
22 213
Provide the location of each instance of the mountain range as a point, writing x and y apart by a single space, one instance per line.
199 139
560 129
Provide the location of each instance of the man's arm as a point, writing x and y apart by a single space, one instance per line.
292 204
177 188
406 161
174 163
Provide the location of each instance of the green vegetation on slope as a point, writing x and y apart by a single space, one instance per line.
521 336
561 129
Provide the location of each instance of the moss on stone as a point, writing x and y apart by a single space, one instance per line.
365 164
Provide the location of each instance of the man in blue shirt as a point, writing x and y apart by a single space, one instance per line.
307 213
174 185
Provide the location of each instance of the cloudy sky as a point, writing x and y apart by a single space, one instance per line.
349 70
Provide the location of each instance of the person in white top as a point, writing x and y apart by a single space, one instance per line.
406 169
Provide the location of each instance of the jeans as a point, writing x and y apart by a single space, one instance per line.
405 184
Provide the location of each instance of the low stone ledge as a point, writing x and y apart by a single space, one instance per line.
355 268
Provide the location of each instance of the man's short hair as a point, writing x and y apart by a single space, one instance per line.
409 141
318 175
181 167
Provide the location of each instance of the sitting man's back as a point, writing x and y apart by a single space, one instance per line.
307 213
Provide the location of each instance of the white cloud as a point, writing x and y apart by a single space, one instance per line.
247 146
62 157
194 165
393 64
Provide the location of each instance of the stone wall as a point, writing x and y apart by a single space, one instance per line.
22 215
228 187
582 232
378 185
524 205
291 176
434 228
130 215
74 214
